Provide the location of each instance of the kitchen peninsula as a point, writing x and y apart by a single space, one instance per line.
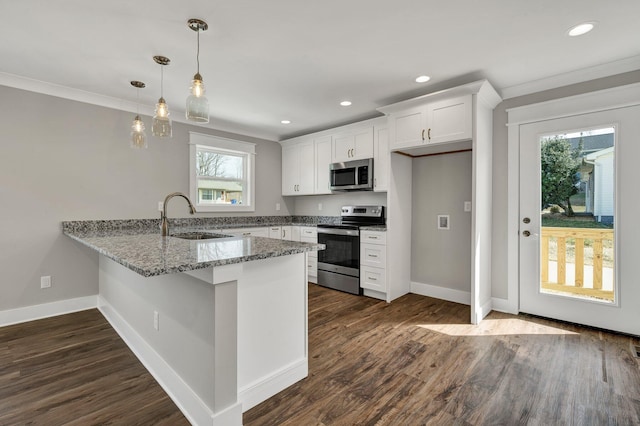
220 323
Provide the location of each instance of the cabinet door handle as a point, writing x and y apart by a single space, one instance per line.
429 133
375 182
283 234
422 134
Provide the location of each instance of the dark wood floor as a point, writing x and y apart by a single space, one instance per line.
417 361
75 370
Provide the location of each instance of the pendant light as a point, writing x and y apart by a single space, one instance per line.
138 137
197 103
161 125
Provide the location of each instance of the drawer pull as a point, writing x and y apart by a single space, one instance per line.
372 279
373 255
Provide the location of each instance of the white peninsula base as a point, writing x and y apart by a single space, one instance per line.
218 340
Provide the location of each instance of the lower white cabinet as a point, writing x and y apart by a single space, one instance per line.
309 234
248 232
290 233
373 264
275 232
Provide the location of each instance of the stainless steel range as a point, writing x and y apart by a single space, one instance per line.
339 263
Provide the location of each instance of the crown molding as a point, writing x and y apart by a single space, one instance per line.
572 77
69 93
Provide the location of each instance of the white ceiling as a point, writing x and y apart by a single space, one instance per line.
264 61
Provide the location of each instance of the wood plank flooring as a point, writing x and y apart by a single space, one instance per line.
75 370
417 361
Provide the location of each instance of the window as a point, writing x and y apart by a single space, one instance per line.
221 173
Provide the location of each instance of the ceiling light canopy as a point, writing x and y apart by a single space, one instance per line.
197 103
138 136
422 79
161 124
285 121
345 103
581 29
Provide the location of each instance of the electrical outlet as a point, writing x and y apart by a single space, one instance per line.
45 282
319 206
467 206
160 206
277 207
156 320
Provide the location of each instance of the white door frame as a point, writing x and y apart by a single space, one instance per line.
601 100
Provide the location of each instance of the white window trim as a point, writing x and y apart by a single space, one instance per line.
223 144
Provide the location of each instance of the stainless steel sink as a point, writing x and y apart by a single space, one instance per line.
199 235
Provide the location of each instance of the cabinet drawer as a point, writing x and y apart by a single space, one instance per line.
308 232
312 266
373 278
373 255
373 237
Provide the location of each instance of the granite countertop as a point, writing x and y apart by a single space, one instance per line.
145 251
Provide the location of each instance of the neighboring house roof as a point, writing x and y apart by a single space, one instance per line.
220 185
592 143
594 155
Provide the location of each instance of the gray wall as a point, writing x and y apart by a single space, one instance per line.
441 185
500 152
66 160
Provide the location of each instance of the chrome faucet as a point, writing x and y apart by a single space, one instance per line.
165 223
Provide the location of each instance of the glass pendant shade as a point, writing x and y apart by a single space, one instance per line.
161 124
197 102
138 136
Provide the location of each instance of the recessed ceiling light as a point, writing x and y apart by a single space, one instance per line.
580 29
345 103
423 79
285 121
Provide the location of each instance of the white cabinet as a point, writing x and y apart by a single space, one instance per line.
373 264
322 147
447 120
291 233
309 234
297 168
353 144
248 232
275 232
381 158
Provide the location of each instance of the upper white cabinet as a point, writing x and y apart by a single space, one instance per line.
298 175
306 159
381 158
323 160
447 120
353 144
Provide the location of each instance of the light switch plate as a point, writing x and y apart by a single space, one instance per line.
467 206
160 206
277 207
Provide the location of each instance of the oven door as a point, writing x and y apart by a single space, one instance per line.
342 252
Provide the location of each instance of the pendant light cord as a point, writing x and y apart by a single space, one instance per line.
198 52
161 81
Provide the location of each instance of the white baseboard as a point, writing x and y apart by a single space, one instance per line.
443 293
485 308
264 388
504 305
47 310
194 409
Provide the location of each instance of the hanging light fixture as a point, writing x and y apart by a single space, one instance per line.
197 103
161 125
138 137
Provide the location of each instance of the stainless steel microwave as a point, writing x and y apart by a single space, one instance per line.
356 175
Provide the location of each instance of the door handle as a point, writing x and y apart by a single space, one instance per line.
526 233
526 220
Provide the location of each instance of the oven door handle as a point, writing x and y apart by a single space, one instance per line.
335 231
